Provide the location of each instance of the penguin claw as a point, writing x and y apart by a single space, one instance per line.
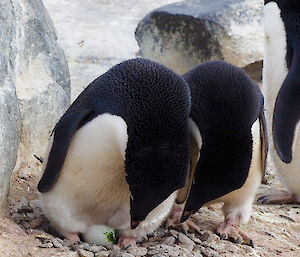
277 198
234 234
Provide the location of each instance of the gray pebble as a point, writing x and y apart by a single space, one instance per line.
95 248
57 242
46 245
84 253
30 215
189 247
206 251
174 233
102 254
185 240
25 224
169 240
137 251
153 252
120 254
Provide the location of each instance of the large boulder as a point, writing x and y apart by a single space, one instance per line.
34 84
184 34
42 75
9 110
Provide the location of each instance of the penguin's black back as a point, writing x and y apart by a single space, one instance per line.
153 101
223 95
225 104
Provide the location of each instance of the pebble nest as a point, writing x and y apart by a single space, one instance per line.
164 242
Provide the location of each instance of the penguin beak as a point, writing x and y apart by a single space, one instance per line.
186 215
144 199
134 224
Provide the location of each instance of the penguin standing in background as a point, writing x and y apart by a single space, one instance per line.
228 145
119 154
281 88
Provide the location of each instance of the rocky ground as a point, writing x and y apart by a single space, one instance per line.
275 230
96 34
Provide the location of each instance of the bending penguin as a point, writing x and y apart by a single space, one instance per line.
281 87
228 145
119 154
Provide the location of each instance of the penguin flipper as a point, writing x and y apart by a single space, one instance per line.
287 112
264 142
183 193
62 133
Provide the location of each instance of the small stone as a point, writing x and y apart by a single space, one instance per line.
102 254
84 253
120 254
204 236
35 223
174 233
170 240
46 245
25 209
95 248
137 251
153 252
25 224
57 242
185 240
189 247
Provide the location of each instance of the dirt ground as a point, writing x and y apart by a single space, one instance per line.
274 228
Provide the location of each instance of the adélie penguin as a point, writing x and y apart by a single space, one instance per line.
119 153
281 87
228 146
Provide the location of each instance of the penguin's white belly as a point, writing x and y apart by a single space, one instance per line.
91 187
290 173
274 73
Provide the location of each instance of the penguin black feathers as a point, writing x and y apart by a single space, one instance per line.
119 153
227 125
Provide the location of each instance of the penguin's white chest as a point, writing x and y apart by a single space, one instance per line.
91 187
274 73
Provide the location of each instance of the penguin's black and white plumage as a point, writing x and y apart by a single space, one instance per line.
120 152
281 88
227 125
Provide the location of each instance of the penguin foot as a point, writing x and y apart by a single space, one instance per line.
185 227
126 241
73 236
234 233
280 197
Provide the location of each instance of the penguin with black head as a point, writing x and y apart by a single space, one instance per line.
281 87
119 154
228 145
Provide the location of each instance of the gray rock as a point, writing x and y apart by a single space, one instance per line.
184 34
84 253
34 84
9 110
185 240
115 253
102 254
57 242
169 240
42 75
137 251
